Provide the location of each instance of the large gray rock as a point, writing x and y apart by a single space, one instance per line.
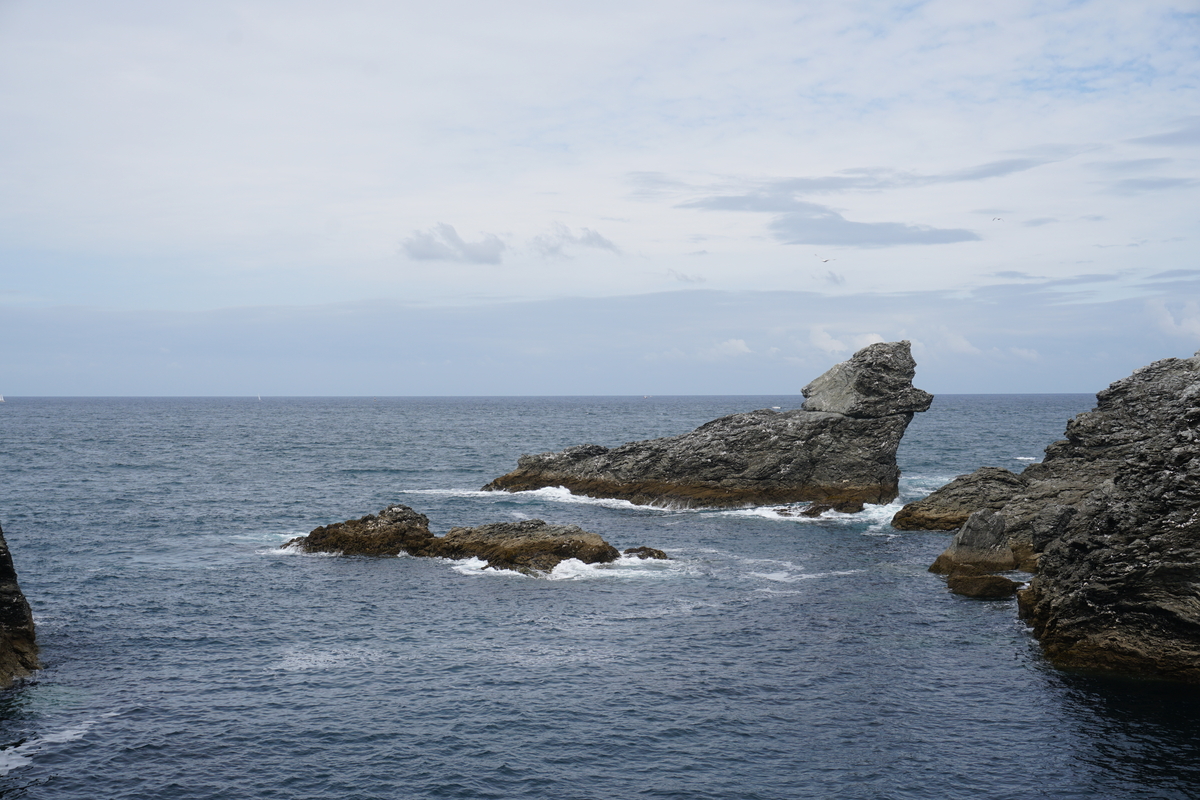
839 447
1118 586
18 646
981 543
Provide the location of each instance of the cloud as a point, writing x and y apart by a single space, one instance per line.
442 243
730 348
810 223
1140 185
554 244
1039 221
1187 135
684 278
1176 320
820 339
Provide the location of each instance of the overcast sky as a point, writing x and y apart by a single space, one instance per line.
296 197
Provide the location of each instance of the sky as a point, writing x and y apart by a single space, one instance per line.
531 198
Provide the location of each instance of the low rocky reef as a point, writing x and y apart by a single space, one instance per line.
531 546
18 645
838 448
1109 523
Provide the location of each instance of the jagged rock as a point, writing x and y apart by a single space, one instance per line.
18 644
646 552
1117 587
948 508
981 543
397 529
1098 443
840 447
529 546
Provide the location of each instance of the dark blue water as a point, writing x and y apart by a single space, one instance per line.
772 657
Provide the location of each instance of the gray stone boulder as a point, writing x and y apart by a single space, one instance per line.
18 644
840 447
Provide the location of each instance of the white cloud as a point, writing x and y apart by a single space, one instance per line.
442 243
820 339
730 348
1176 319
555 243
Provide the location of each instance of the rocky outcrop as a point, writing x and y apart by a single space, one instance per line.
18 646
947 508
839 447
982 587
395 530
982 544
1118 586
528 546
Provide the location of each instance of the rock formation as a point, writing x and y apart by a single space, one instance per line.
18 647
528 546
839 447
1110 522
948 507
1118 584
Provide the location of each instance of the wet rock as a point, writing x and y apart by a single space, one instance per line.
982 587
646 552
948 507
530 546
394 530
18 644
840 447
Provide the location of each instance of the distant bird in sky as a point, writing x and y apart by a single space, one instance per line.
824 260
995 219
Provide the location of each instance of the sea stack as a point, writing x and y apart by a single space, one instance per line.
838 447
18 647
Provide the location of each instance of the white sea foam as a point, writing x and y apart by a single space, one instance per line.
551 494
22 755
1025 458
302 660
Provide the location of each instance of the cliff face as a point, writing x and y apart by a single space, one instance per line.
1118 586
1109 521
840 446
18 648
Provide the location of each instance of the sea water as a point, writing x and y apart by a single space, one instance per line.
773 656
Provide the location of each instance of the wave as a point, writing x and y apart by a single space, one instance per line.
22 753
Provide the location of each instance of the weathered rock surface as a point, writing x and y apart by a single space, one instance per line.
982 587
839 447
528 546
982 543
18 645
948 508
395 530
1118 587
646 552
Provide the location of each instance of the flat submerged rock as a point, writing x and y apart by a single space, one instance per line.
839 447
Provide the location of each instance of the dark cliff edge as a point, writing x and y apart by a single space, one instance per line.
531 547
1109 523
18 646
839 447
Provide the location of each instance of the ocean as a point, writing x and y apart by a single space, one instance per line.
772 656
